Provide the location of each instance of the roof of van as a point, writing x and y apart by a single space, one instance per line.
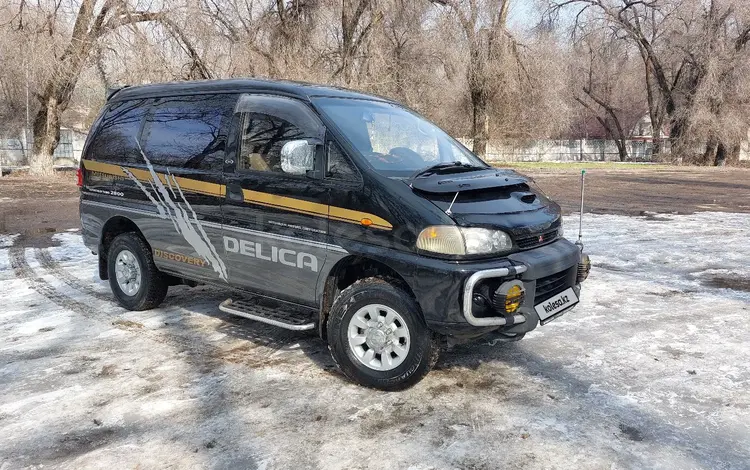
237 85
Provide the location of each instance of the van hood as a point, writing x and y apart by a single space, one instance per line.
490 198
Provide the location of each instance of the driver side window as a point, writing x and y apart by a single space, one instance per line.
263 137
276 134
339 166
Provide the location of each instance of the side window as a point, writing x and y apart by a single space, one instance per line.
262 139
116 138
188 131
269 122
339 166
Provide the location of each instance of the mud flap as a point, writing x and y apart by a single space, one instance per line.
103 273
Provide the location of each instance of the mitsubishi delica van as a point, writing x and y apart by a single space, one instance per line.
321 209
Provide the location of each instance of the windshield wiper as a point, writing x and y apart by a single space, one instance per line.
459 166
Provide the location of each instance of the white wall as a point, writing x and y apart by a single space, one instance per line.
574 150
14 150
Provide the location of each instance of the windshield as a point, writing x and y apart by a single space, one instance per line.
394 140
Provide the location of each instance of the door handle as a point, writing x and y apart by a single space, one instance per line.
234 192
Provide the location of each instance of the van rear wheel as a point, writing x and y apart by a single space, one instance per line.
135 281
378 338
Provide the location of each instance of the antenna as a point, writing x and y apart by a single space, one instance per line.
452 202
579 242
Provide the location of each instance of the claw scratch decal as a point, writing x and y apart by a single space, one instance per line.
185 224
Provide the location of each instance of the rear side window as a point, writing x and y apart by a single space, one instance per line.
188 131
117 136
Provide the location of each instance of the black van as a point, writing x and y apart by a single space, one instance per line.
321 208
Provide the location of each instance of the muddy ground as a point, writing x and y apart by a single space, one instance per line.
681 190
37 208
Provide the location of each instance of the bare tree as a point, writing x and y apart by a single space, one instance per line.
688 47
358 18
92 22
609 90
490 45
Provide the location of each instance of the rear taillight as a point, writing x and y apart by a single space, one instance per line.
79 177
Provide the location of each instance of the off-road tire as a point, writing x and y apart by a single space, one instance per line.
154 285
423 352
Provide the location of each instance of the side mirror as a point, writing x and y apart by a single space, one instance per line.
298 157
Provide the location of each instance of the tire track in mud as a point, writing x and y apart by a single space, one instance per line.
264 347
23 270
53 267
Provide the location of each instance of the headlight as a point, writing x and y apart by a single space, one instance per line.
452 240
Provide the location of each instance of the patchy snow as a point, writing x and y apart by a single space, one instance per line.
651 370
6 240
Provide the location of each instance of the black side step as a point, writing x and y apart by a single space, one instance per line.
283 316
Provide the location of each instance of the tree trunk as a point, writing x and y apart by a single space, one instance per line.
480 124
654 111
710 155
622 149
655 147
46 138
733 158
727 155
721 155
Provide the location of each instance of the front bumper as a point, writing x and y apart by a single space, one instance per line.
544 272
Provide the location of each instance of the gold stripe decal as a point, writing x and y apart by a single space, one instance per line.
252 197
187 184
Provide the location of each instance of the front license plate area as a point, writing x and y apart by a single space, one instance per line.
556 305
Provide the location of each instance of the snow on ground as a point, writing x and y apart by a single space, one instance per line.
651 370
7 240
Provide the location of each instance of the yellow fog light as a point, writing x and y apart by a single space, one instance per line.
584 267
513 299
509 297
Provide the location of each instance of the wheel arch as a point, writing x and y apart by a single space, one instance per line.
346 272
115 226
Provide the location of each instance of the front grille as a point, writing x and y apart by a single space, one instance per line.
536 240
548 286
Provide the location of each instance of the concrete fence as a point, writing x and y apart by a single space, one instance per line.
15 150
572 150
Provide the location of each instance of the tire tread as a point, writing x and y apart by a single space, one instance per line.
153 280
422 363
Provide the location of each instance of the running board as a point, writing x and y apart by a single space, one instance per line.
283 317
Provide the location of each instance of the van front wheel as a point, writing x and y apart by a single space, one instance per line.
377 337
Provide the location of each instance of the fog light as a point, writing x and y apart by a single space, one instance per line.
584 267
509 297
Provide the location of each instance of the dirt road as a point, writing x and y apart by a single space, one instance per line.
37 208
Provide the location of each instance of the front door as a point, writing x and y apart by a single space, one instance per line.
275 217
